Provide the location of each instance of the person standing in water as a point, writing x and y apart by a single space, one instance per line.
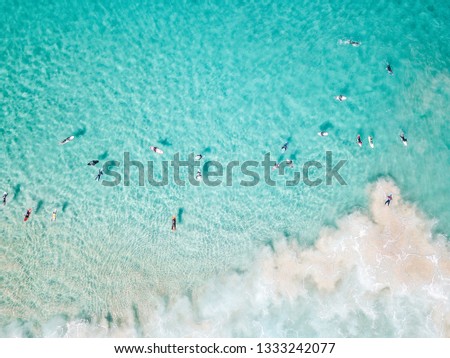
388 200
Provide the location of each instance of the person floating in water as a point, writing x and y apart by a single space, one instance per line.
198 157
199 175
174 223
388 200
285 146
5 194
341 98
93 162
99 175
389 69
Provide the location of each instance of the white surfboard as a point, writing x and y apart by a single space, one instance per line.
370 139
67 140
323 134
156 150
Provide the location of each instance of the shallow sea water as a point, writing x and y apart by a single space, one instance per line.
232 81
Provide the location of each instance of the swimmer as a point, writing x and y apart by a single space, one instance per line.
358 140
5 194
323 134
93 162
388 201
290 163
199 175
404 140
276 166
198 157
284 147
389 69
54 215
99 175
174 223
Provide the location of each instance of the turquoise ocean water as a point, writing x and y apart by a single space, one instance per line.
232 80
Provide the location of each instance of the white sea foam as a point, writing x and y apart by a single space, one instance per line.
381 273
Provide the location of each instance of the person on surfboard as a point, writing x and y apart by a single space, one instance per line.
389 69
27 215
358 140
404 140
